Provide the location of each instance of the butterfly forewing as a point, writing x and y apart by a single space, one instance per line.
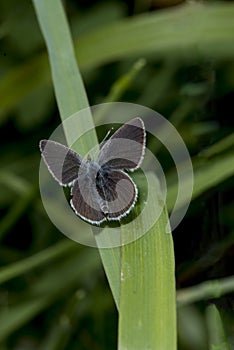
125 149
62 162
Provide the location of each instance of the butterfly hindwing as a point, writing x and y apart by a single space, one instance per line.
111 197
117 192
87 206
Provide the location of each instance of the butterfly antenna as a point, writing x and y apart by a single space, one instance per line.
103 141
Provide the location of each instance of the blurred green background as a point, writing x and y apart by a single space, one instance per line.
53 292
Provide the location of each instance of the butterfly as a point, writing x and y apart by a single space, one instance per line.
101 190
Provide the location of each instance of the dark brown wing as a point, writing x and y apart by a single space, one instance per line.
118 193
125 149
61 161
86 203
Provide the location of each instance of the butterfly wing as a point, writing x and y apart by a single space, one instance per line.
117 191
109 196
125 149
86 202
61 161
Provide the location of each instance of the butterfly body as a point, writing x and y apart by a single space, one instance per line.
101 190
90 168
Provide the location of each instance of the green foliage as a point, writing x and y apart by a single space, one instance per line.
178 61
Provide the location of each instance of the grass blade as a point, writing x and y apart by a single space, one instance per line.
206 290
36 260
147 305
68 84
217 336
47 290
207 175
177 32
